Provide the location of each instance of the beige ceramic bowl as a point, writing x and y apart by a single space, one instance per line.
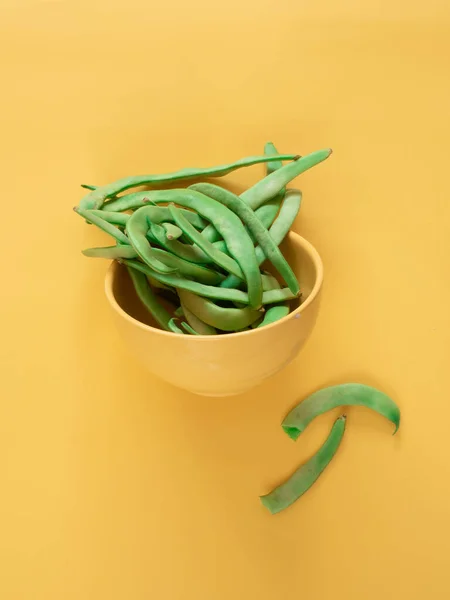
227 364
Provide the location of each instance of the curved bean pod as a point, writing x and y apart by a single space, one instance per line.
136 228
97 197
230 227
225 319
102 224
269 282
114 218
288 492
184 251
197 324
188 328
274 313
173 327
188 269
214 254
246 214
288 212
268 187
148 299
266 213
269 210
160 214
111 252
277 312
348 394
208 291
172 231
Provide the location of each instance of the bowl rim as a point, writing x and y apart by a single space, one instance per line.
307 246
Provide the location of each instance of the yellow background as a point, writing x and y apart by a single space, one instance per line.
115 485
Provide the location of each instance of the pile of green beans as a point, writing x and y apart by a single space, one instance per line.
296 421
201 247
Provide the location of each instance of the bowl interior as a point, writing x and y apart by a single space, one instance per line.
302 257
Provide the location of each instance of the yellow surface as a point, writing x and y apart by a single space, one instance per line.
116 486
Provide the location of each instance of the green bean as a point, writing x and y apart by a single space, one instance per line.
88 187
288 492
266 213
111 252
197 324
188 269
185 251
278 311
208 291
270 150
102 224
97 197
172 231
188 328
214 254
114 218
229 226
348 394
160 214
288 211
173 327
266 188
246 214
136 228
274 313
226 319
269 282
148 299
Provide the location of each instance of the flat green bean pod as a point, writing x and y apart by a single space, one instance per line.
291 490
269 210
173 327
185 251
208 291
225 319
111 252
274 313
269 282
212 252
266 213
137 227
172 231
114 218
189 269
148 299
268 187
246 214
97 197
102 224
228 224
288 212
348 394
197 324
188 328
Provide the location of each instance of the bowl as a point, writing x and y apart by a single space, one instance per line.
220 365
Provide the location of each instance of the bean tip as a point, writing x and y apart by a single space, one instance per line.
296 157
